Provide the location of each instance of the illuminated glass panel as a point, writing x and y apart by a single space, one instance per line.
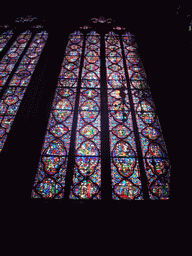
29 18
118 28
85 27
4 38
101 19
87 172
124 159
11 57
156 162
50 177
13 95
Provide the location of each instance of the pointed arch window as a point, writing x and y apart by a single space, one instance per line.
102 109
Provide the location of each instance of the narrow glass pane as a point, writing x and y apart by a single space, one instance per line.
13 95
126 182
11 57
50 177
4 38
87 173
156 162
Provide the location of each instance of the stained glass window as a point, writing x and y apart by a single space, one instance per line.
14 93
71 161
11 57
4 38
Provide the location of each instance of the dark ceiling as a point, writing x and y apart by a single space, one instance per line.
152 22
141 14
82 9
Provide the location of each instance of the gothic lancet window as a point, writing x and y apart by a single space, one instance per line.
50 178
124 157
103 132
87 172
16 69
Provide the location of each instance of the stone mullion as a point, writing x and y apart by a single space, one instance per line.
106 186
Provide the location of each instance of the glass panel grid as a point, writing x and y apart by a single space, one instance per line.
87 172
126 182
